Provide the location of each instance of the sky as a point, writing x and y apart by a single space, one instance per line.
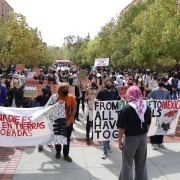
57 19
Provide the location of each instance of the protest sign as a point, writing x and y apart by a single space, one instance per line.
92 95
82 85
105 116
73 66
82 75
101 62
36 70
30 75
20 67
30 91
165 116
31 82
33 126
72 90
122 91
82 79
152 84
31 88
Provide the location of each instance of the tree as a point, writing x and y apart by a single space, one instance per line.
21 43
157 40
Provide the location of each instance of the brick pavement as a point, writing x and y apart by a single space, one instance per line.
10 157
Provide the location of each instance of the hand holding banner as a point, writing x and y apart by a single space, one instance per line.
33 126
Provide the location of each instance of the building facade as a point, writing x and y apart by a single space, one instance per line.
5 9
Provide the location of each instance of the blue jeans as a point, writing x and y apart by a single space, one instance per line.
106 146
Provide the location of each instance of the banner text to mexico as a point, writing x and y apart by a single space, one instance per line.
165 116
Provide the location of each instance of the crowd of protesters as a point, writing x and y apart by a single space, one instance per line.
150 84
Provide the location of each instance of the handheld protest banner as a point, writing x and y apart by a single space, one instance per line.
92 95
33 126
20 67
165 116
105 116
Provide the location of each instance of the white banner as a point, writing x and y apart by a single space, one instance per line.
33 126
105 116
165 116
101 62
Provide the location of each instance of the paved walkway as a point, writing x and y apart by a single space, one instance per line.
26 163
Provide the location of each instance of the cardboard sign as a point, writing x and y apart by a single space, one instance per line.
31 82
31 88
92 95
152 84
73 66
72 90
122 91
82 75
36 70
28 93
82 85
30 75
20 67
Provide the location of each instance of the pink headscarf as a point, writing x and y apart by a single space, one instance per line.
134 98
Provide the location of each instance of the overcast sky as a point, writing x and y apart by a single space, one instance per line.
57 19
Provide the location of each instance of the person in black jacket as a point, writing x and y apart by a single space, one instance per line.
77 95
16 91
133 122
3 94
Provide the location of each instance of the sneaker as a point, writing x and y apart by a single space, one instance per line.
104 156
154 146
67 158
58 155
40 148
161 146
109 150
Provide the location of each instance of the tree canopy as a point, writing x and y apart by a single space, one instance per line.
147 35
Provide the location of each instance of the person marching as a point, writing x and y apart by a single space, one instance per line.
70 109
107 94
133 122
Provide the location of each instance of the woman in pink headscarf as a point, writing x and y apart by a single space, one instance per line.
133 122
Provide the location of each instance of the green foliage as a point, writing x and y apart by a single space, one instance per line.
157 42
21 44
147 35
